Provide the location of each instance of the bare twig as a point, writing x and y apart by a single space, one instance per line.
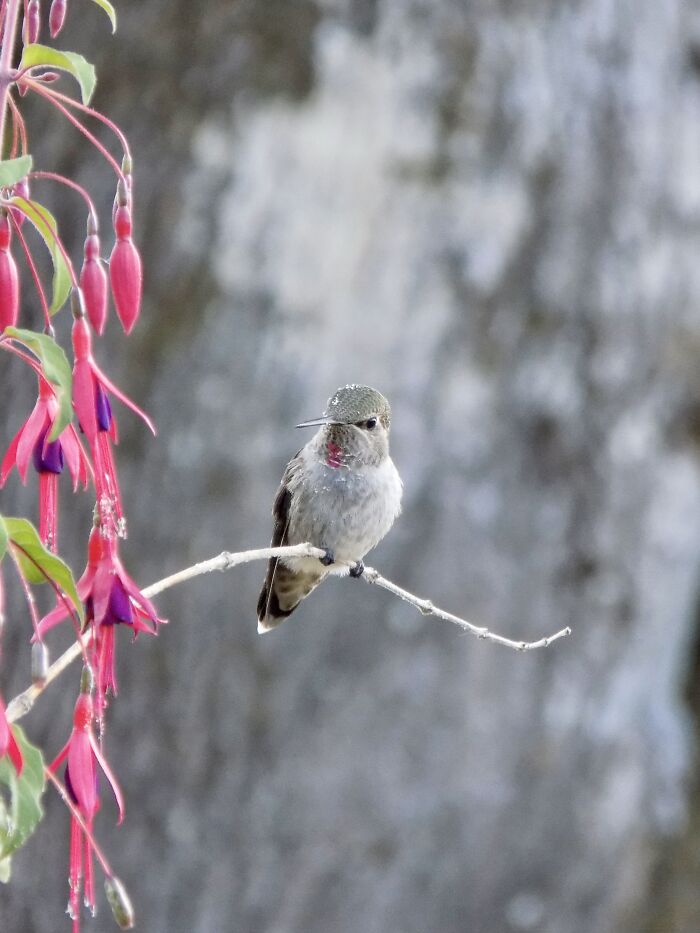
24 701
426 607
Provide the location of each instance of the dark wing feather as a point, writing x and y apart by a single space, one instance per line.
280 514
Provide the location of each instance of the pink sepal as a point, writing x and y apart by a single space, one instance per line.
33 426
84 397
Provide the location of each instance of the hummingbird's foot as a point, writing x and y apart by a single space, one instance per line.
358 569
328 558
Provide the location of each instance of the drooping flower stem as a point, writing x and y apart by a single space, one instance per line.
53 176
91 112
42 212
52 97
28 596
33 269
18 125
9 33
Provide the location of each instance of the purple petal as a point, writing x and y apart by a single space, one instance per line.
48 457
103 409
119 609
69 786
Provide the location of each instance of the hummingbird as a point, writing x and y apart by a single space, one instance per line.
341 492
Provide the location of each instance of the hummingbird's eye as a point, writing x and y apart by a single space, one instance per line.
370 423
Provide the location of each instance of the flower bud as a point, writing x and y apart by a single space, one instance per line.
40 663
57 17
93 283
9 279
119 901
32 22
125 271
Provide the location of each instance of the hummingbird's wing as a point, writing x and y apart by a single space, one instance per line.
283 588
280 527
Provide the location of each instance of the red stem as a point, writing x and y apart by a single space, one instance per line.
71 184
32 269
42 212
51 96
6 344
17 117
28 595
90 111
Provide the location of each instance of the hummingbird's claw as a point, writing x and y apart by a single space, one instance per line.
358 569
328 558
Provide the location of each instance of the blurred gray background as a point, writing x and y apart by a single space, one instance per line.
491 212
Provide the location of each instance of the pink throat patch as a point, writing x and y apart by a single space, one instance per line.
335 455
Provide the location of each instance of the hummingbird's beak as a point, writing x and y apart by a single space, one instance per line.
316 422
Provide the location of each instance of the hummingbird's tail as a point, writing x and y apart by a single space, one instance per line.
283 590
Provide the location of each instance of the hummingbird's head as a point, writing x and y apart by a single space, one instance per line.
356 423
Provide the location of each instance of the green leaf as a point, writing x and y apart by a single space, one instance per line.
39 565
55 367
3 538
45 223
81 69
110 11
20 815
14 170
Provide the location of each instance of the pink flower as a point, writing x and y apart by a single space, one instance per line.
111 598
83 756
125 271
31 443
8 743
9 279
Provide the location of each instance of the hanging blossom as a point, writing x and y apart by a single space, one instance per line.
91 390
111 598
82 755
32 444
125 275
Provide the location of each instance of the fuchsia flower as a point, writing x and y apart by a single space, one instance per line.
125 268
83 756
91 404
8 743
111 598
31 443
9 279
